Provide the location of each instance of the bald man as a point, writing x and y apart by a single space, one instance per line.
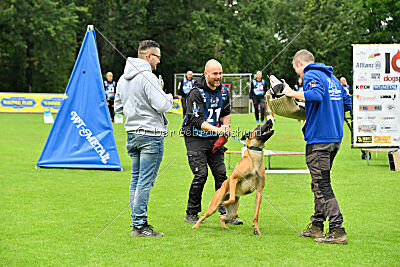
184 88
207 117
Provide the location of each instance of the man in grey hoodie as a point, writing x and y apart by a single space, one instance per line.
142 101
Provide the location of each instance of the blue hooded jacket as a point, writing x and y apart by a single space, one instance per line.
326 103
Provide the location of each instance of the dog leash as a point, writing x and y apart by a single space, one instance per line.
237 139
269 202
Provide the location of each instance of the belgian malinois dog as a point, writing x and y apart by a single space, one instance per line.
248 175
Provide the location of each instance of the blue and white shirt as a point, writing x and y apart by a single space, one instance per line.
109 87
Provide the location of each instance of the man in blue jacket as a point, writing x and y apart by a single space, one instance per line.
325 102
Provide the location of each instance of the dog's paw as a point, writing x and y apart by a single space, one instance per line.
227 202
257 232
195 227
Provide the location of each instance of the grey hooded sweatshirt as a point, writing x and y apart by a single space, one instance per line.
141 99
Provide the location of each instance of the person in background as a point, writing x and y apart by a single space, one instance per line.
299 85
326 101
258 89
343 82
299 88
109 87
184 88
143 102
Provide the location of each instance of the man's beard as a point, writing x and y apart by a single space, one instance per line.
214 82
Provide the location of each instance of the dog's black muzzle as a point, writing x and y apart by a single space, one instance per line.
264 132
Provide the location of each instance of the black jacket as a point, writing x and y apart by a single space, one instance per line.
195 99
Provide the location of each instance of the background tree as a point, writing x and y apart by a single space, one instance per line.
38 45
40 39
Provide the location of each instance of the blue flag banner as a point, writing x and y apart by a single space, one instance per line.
82 134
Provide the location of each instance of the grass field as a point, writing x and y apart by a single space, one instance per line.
52 216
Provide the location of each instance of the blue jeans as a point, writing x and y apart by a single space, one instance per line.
146 153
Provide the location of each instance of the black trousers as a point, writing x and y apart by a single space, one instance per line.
184 107
261 102
200 157
319 158
110 104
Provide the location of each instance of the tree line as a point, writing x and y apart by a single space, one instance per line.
40 39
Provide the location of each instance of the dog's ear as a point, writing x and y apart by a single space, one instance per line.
244 137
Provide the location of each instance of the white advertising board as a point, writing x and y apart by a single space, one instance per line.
376 98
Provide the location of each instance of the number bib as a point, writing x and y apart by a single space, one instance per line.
187 85
258 87
212 106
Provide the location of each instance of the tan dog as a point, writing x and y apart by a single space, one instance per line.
248 175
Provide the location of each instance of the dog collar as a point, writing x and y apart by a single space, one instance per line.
254 148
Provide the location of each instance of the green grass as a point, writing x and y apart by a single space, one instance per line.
52 216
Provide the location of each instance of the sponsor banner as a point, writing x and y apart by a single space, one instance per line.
363 87
388 128
388 118
365 97
375 76
382 139
376 95
370 108
366 118
366 128
391 107
388 96
30 103
364 139
177 107
385 87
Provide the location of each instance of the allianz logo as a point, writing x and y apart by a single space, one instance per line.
365 65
